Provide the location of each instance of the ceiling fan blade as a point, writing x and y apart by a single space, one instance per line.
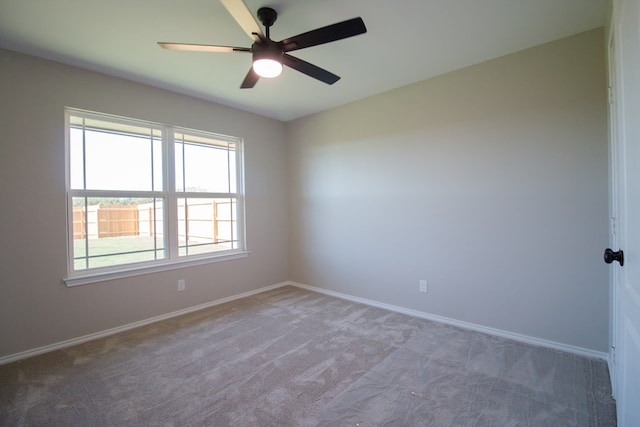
243 16
202 47
309 69
328 34
250 80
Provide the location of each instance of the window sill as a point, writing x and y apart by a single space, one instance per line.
85 279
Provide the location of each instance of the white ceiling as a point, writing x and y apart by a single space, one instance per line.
407 41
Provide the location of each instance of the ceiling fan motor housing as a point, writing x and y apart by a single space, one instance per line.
266 50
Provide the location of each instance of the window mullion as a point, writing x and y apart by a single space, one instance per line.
171 210
205 195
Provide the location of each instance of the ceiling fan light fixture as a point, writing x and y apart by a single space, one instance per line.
267 67
267 60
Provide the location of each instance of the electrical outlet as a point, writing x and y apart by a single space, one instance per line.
423 286
181 285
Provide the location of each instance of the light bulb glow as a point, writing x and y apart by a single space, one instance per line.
268 68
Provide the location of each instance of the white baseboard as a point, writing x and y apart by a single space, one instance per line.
466 325
75 341
491 331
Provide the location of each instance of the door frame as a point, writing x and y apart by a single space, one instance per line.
614 152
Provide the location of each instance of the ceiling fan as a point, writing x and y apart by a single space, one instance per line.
269 56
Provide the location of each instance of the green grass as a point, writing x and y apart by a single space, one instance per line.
109 251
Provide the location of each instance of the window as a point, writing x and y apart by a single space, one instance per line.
143 196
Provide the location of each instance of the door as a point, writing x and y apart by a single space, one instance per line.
625 200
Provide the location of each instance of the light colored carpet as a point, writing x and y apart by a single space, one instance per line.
290 357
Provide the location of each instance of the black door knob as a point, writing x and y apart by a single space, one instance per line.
610 256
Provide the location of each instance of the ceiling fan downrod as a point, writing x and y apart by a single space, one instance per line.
268 17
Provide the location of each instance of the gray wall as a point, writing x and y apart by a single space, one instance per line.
490 182
36 309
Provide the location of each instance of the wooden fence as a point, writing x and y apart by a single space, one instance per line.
79 223
200 219
106 221
116 221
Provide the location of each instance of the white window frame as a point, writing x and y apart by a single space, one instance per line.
170 209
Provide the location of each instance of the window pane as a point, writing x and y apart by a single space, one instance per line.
179 161
76 159
112 231
157 164
113 160
203 165
232 172
206 225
